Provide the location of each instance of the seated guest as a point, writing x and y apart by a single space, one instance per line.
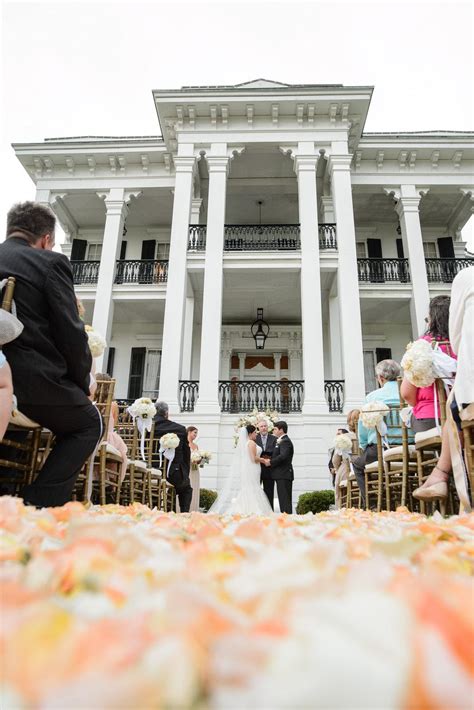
10 328
387 372
51 359
178 469
461 336
422 399
113 438
341 464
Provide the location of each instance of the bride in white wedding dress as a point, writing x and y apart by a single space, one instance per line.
242 493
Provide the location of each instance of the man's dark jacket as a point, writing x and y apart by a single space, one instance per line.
282 460
178 471
50 360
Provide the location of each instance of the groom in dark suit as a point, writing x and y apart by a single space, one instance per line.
281 467
267 443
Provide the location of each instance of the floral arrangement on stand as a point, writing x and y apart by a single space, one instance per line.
372 414
423 362
142 411
168 445
343 445
270 416
97 343
127 607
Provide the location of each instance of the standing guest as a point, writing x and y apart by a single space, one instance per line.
192 433
386 372
267 443
422 399
179 468
50 360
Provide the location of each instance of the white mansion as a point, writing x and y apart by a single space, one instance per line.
258 196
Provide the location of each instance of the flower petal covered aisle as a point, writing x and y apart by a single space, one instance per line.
119 607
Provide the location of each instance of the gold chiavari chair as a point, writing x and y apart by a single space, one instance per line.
19 453
400 465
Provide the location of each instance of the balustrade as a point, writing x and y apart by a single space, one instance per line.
334 391
261 237
382 270
143 271
445 270
85 272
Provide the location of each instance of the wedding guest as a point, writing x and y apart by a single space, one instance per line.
422 399
341 464
335 459
50 360
386 372
461 336
192 433
10 328
178 470
113 438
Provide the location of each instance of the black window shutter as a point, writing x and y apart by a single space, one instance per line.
137 368
446 248
383 354
110 361
374 248
78 251
400 252
123 250
148 249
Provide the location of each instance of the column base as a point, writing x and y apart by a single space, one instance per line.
315 407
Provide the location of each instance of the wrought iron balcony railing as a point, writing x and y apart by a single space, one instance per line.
444 270
261 237
382 270
143 271
85 272
285 396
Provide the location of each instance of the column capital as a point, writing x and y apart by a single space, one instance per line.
184 163
339 162
218 163
304 155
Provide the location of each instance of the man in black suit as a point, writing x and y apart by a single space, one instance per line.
281 467
51 359
267 443
178 469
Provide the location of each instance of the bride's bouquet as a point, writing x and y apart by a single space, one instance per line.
422 364
97 344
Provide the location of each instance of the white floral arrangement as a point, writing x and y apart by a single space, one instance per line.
417 364
270 416
342 444
206 456
142 407
169 441
97 343
372 414
195 457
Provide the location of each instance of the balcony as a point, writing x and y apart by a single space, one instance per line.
284 396
383 270
127 272
444 270
261 237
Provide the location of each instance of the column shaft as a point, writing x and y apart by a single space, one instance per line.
188 338
104 307
171 356
335 340
348 283
209 365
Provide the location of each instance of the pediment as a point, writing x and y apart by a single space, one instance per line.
261 84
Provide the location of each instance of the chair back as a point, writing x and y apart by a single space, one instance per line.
103 400
9 290
441 396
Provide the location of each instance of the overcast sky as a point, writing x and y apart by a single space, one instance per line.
88 68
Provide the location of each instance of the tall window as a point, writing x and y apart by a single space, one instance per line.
163 252
361 250
151 383
429 249
94 252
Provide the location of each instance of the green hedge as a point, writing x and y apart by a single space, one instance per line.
314 502
206 498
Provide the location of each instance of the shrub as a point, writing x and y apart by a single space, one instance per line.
206 498
314 502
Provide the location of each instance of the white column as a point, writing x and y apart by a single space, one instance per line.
407 208
188 336
347 279
327 209
104 306
171 356
294 357
277 361
208 401
311 316
196 204
242 357
226 355
335 342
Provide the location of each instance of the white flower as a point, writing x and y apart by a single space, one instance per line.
143 408
371 414
206 456
97 344
169 441
417 364
342 444
195 457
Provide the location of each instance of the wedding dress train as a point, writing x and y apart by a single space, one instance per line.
242 493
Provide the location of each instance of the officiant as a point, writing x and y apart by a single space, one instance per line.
267 442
